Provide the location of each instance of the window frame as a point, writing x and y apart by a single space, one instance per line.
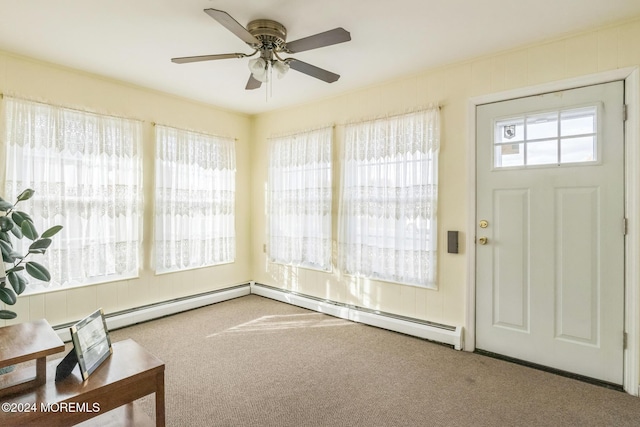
216 143
74 118
318 165
597 135
347 222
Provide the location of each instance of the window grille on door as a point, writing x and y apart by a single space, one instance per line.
559 137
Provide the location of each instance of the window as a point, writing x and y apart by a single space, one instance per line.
389 199
299 196
195 200
86 172
549 138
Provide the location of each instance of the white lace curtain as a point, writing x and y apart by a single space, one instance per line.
86 172
299 199
387 219
195 200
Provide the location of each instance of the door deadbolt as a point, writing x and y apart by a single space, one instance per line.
483 240
484 223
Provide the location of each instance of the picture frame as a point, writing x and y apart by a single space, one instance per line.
91 342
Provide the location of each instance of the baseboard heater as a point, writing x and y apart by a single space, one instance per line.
445 334
145 313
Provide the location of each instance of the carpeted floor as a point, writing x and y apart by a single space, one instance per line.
257 362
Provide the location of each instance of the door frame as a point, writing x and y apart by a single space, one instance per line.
631 77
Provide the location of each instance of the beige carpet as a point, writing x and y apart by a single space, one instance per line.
257 362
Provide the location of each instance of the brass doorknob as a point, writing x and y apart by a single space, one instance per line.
483 240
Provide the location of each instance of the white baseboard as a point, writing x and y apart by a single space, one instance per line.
439 333
143 314
433 332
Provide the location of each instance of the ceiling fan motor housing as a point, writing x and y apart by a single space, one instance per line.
271 34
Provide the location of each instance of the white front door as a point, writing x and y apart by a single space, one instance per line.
549 233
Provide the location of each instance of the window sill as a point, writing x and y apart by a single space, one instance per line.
180 270
71 286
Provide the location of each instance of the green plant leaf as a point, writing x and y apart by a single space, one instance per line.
6 246
19 217
40 244
38 271
4 205
5 237
6 223
17 232
18 282
7 250
14 269
29 230
7 296
7 315
51 232
26 194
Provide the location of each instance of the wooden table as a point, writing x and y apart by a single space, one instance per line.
24 342
128 374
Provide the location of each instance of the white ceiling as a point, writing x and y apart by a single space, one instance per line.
133 40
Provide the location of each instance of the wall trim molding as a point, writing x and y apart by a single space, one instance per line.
145 313
445 334
631 77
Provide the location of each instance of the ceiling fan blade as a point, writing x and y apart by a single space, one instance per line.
232 25
253 83
335 36
187 59
313 71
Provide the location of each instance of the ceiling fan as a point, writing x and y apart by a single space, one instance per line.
268 38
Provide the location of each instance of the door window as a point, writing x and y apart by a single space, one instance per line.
559 137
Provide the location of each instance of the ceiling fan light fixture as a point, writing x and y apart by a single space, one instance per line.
257 65
261 77
281 68
258 68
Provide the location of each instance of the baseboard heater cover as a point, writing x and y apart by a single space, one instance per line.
445 334
145 313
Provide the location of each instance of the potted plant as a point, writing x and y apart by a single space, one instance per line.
16 224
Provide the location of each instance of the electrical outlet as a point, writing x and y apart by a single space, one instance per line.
264 248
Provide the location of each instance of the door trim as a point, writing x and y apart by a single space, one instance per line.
631 77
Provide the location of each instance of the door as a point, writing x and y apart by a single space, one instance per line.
550 230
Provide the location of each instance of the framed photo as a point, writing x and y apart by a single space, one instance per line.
91 342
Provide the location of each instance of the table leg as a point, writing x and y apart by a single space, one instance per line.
160 419
41 371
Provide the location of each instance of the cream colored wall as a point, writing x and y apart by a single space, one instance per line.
40 81
586 53
451 86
